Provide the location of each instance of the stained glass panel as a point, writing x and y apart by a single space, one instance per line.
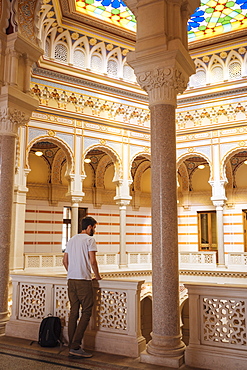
210 19
216 17
112 11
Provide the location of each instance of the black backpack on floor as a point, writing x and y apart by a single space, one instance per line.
50 331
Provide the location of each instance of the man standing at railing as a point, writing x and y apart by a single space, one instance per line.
79 258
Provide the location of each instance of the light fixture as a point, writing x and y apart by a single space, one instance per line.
201 166
245 162
39 153
87 160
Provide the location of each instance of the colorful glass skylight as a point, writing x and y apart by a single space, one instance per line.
210 19
112 11
216 17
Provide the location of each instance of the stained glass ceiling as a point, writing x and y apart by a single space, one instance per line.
210 19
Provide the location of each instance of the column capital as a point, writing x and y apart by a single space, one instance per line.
122 201
11 119
163 84
218 203
161 60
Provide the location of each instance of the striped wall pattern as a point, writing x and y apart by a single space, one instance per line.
43 228
187 232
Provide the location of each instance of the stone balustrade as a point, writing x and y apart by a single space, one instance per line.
52 262
237 260
218 326
115 319
195 260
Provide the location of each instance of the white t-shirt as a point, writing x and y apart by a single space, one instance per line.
79 263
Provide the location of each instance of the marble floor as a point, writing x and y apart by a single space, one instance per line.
22 354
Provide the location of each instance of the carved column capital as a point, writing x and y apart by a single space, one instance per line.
163 84
11 119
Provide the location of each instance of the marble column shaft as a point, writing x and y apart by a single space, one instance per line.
7 157
74 218
166 322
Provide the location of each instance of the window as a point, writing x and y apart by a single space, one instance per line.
66 227
207 231
82 212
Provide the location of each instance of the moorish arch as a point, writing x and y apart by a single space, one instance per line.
226 158
183 173
118 167
61 144
103 164
59 161
145 155
232 163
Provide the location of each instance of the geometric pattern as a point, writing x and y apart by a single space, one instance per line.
210 19
224 321
111 310
216 17
111 11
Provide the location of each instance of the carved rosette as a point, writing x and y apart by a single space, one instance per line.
162 84
10 120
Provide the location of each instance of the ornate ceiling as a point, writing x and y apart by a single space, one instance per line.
210 19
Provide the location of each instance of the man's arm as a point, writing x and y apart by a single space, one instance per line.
94 264
66 260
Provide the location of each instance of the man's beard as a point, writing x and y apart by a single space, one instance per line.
91 232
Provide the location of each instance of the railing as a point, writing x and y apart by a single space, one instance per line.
218 326
115 319
237 260
140 260
50 262
194 260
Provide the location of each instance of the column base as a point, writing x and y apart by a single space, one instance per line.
174 362
3 321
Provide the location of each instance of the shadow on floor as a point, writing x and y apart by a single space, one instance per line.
23 354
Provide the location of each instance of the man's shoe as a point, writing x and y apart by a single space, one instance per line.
79 352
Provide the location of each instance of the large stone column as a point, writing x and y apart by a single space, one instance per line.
19 49
163 66
10 119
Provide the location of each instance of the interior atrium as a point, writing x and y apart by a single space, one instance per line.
135 113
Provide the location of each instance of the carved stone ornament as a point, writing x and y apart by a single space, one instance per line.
10 120
162 84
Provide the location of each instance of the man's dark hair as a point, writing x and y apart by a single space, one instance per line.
87 221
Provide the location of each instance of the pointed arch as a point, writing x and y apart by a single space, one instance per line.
200 77
216 69
234 65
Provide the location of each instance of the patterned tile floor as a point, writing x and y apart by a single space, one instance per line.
22 354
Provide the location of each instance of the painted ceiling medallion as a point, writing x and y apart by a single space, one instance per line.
212 18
